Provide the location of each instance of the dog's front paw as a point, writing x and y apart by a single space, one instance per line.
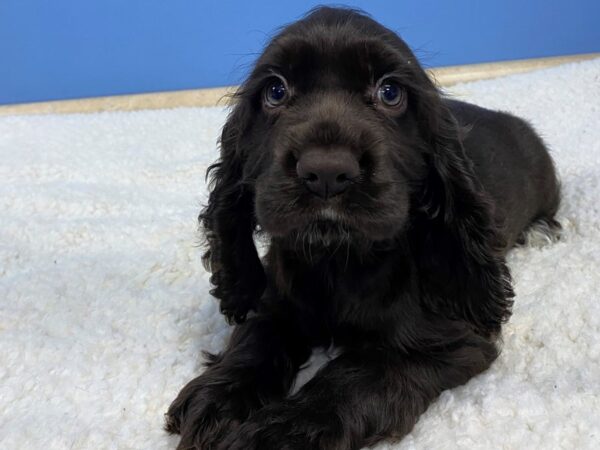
203 413
255 436
279 427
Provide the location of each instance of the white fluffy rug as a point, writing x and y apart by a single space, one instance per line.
103 299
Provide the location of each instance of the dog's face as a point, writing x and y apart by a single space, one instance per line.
339 137
332 140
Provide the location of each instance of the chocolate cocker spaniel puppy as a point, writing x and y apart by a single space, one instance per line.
388 211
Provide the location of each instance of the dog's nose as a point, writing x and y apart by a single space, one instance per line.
327 172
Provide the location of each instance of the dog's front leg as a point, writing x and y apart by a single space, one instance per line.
258 365
360 398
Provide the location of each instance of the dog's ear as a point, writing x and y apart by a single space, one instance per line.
462 263
229 222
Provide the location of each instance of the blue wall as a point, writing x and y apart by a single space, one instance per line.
58 49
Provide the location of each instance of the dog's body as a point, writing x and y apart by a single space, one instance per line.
388 210
513 166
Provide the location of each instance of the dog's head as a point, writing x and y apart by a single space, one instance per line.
329 127
337 134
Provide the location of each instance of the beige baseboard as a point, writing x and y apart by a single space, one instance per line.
444 76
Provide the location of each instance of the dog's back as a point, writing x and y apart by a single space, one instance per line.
513 165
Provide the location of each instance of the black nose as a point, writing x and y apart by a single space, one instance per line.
327 172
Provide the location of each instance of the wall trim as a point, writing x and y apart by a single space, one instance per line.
444 76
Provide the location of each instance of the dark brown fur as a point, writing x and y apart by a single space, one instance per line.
408 278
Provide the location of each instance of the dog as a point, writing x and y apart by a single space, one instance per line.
387 210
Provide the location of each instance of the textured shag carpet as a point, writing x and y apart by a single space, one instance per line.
103 300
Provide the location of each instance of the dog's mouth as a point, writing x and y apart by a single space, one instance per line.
324 232
329 213
314 222
326 227
326 224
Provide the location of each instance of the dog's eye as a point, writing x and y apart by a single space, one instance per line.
390 94
276 93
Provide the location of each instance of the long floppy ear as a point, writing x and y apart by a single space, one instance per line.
229 222
463 269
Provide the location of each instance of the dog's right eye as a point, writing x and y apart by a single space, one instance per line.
275 93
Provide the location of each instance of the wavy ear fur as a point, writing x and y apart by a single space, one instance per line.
462 264
229 222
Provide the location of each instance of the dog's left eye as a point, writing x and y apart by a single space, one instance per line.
390 94
275 93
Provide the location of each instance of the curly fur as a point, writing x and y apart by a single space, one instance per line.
404 272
